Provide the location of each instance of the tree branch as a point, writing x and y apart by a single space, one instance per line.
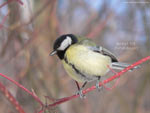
22 87
65 99
3 20
7 2
62 100
11 98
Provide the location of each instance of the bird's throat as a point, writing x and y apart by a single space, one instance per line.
61 54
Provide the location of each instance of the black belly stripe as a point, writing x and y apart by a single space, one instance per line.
75 69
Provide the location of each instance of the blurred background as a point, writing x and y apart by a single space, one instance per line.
27 34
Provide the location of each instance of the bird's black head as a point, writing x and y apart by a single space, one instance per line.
62 43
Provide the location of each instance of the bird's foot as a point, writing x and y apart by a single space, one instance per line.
80 93
97 86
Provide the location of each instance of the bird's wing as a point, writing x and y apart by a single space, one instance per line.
104 51
92 46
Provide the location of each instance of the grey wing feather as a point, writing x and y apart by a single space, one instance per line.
92 46
104 51
115 64
121 66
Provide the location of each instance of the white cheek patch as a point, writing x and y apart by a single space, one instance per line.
65 43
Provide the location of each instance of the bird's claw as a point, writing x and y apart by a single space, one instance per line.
97 86
80 93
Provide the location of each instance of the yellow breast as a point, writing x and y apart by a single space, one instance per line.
86 61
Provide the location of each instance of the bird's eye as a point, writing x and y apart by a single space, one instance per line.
64 44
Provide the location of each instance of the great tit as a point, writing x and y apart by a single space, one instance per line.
83 60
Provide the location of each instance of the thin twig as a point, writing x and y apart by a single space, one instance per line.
3 20
62 100
34 34
22 87
116 83
20 2
7 2
97 29
11 98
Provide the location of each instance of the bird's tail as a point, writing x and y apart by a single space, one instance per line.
121 66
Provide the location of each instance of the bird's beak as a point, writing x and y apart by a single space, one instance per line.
53 53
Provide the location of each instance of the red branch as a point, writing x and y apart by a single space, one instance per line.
62 100
97 29
11 98
3 20
20 2
22 87
7 2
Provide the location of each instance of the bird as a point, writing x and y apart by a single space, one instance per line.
84 60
